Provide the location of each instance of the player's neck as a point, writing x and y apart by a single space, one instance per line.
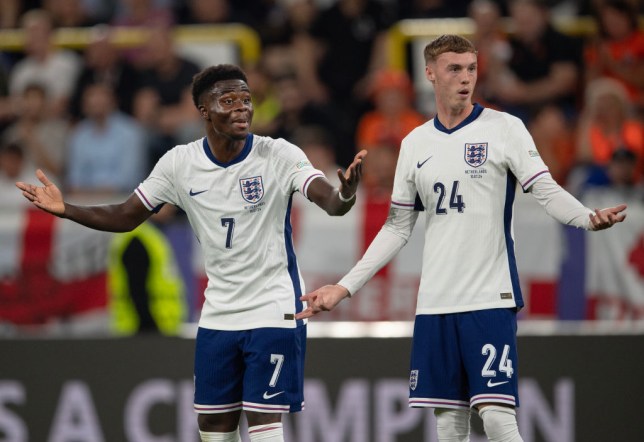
451 116
225 149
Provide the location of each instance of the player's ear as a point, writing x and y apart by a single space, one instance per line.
429 72
203 112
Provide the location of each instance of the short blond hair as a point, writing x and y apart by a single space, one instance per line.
447 43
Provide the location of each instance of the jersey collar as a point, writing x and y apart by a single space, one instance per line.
471 117
238 159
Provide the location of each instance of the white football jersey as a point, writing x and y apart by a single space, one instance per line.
465 179
240 212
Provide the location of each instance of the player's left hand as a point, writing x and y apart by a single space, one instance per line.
605 218
323 299
350 179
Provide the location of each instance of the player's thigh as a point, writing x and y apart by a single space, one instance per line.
218 371
489 349
274 377
437 378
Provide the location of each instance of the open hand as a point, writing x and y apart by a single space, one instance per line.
47 197
350 179
605 218
323 299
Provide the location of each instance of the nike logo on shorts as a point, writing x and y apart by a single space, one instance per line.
419 164
197 193
270 396
495 384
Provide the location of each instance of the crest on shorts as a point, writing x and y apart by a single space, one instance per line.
252 189
475 154
413 379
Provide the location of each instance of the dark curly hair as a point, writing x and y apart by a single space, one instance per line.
205 79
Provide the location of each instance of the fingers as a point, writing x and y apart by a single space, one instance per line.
603 219
305 314
43 178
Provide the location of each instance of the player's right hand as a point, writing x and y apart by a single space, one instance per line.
47 197
323 299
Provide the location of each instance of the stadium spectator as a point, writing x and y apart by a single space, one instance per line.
42 135
618 49
68 13
468 297
6 107
620 175
345 43
55 69
289 20
107 150
104 63
317 144
143 14
491 42
280 51
544 66
378 173
393 116
556 138
9 14
247 323
265 101
13 167
208 12
607 124
146 292
296 110
164 105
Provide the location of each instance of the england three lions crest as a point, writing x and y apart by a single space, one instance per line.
252 189
475 154
413 379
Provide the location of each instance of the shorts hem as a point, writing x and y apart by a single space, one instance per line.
271 408
437 403
505 399
216 409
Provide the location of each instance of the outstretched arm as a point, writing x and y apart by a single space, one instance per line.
338 201
121 217
391 238
567 209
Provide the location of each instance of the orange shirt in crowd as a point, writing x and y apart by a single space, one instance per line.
376 129
624 52
631 138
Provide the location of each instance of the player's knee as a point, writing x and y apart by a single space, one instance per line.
500 423
452 425
218 422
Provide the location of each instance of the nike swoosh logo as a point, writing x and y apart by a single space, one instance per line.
197 193
269 396
494 384
419 164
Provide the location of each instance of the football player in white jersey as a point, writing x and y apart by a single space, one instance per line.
236 188
462 167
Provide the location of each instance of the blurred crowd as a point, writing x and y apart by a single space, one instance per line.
98 118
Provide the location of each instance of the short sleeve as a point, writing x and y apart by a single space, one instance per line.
159 188
523 157
294 169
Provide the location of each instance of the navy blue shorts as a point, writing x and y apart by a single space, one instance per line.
258 370
461 360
